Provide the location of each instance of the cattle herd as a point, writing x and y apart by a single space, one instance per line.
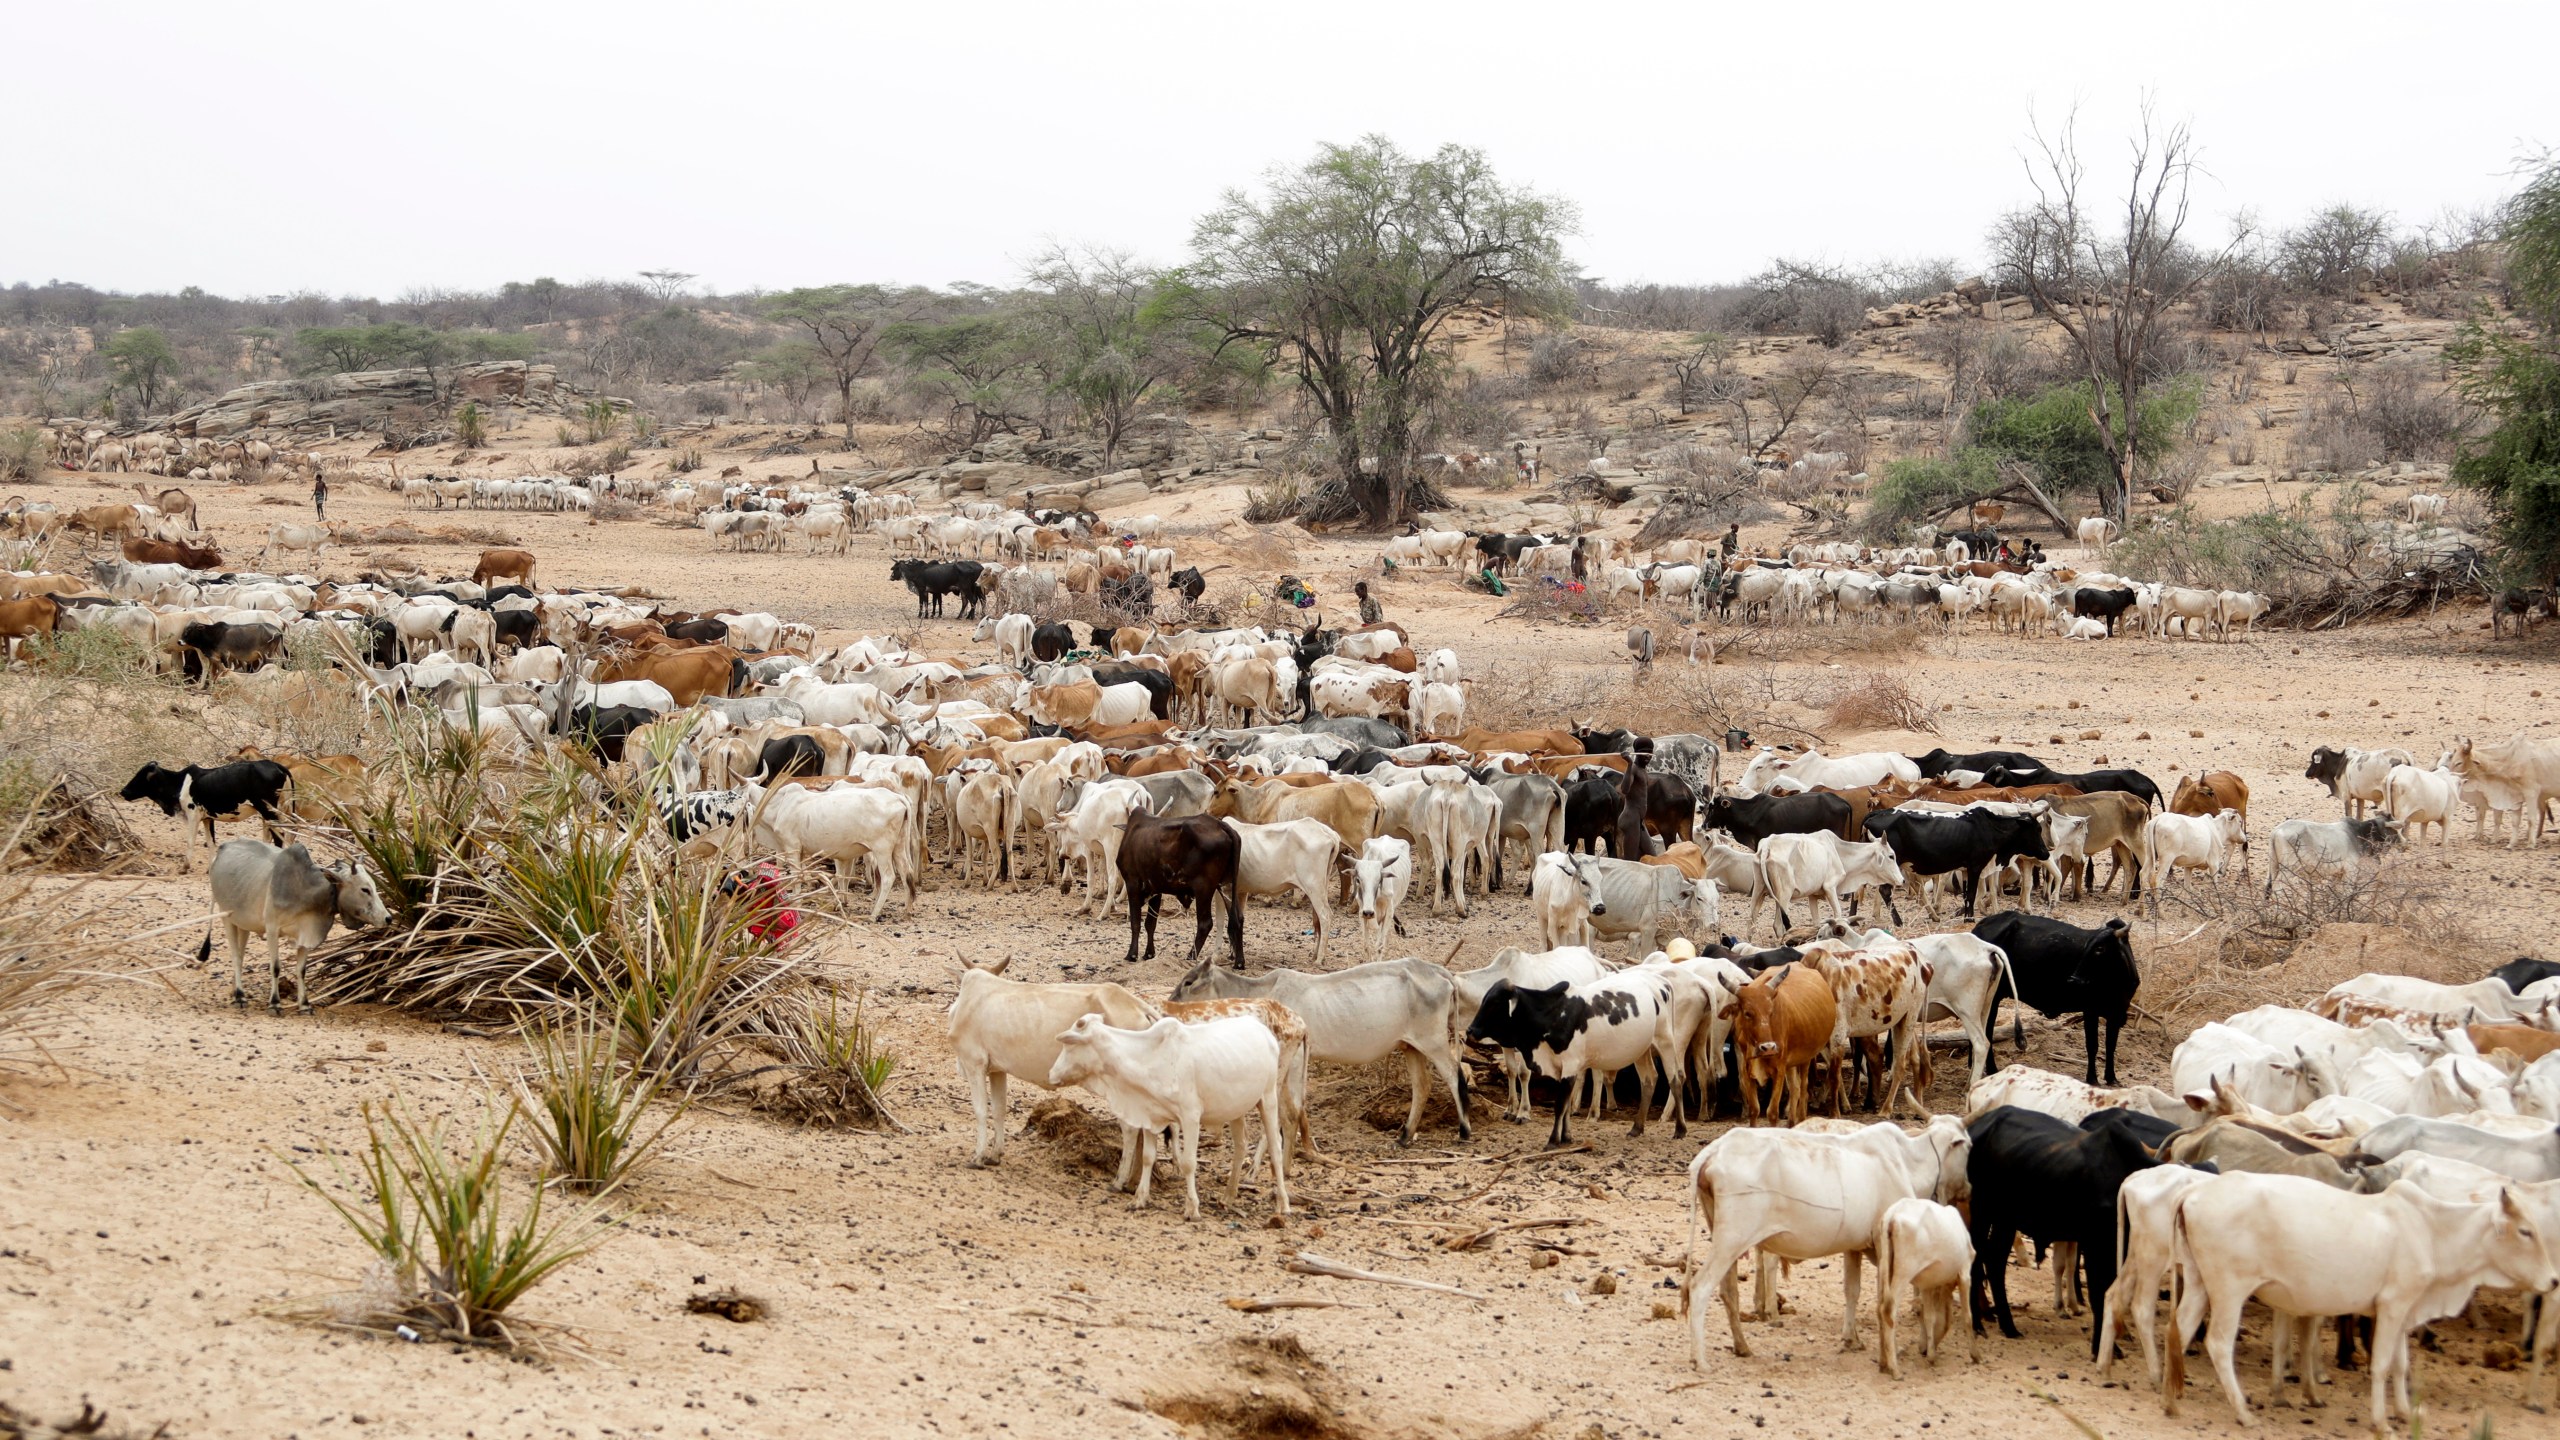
2378 1158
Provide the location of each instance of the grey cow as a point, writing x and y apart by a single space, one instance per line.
281 894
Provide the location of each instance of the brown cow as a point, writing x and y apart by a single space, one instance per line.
105 520
1528 742
2528 1043
27 617
512 564
1781 1022
320 782
1683 856
687 675
2116 822
1130 639
142 550
1562 767
1400 659
2210 793
14 586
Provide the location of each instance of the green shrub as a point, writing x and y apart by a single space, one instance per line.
438 1219
471 426
24 452
589 1112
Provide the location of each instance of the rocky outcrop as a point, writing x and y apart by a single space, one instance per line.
363 400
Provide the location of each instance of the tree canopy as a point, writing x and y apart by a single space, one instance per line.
1345 271
2514 375
144 363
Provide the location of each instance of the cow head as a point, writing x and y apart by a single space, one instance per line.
2372 837
154 783
2329 765
359 904
1754 1013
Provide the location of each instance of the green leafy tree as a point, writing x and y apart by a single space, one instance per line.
845 326
2513 374
144 363
1343 272
2055 431
979 367
794 370
1114 335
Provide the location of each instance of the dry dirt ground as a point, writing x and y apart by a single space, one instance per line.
149 1221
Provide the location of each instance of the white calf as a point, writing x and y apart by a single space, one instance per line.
1923 1247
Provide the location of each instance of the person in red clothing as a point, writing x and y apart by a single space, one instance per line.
760 886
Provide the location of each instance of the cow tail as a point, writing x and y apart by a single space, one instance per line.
2173 1384
204 948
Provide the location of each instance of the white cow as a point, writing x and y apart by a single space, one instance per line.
1362 1015
2307 1250
1379 879
1800 1196
842 823
2418 798
1289 855
1002 1028
1925 1248
1215 1072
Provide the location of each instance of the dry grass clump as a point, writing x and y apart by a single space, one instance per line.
453 1250
2292 946
834 1066
1879 700
1674 699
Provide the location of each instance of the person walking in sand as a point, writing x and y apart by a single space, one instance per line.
320 496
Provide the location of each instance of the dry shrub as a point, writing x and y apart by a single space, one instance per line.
1674 699
1898 639
89 1424
2292 946
834 1065
475 535
1260 1387
1879 700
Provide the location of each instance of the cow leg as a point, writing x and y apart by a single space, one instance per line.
1674 1099
1849 1299
1136 906
1417 1072
1561 1132
1888 1343
1205 919
2115 1024
979 1083
1187 1159
275 967
1271 1127
2089 1043
239 949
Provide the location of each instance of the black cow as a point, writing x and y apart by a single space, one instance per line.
932 581
2524 970
1511 1018
1937 763
2053 1181
2088 782
1048 642
1159 684
381 643
519 628
1972 842
789 755
2061 969
1610 742
701 629
208 648
507 592
603 730
221 790
1591 808
1188 584
2101 604
1360 761
1102 639
1134 597
1193 857
1751 819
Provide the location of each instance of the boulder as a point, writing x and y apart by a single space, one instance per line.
368 399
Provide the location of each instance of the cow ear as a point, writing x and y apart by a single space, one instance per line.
1730 1009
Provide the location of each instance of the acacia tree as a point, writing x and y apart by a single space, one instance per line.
2513 373
144 361
1111 337
845 325
2110 285
1344 271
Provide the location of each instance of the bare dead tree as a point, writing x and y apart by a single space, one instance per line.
2110 287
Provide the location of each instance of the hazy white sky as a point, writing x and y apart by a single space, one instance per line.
368 148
